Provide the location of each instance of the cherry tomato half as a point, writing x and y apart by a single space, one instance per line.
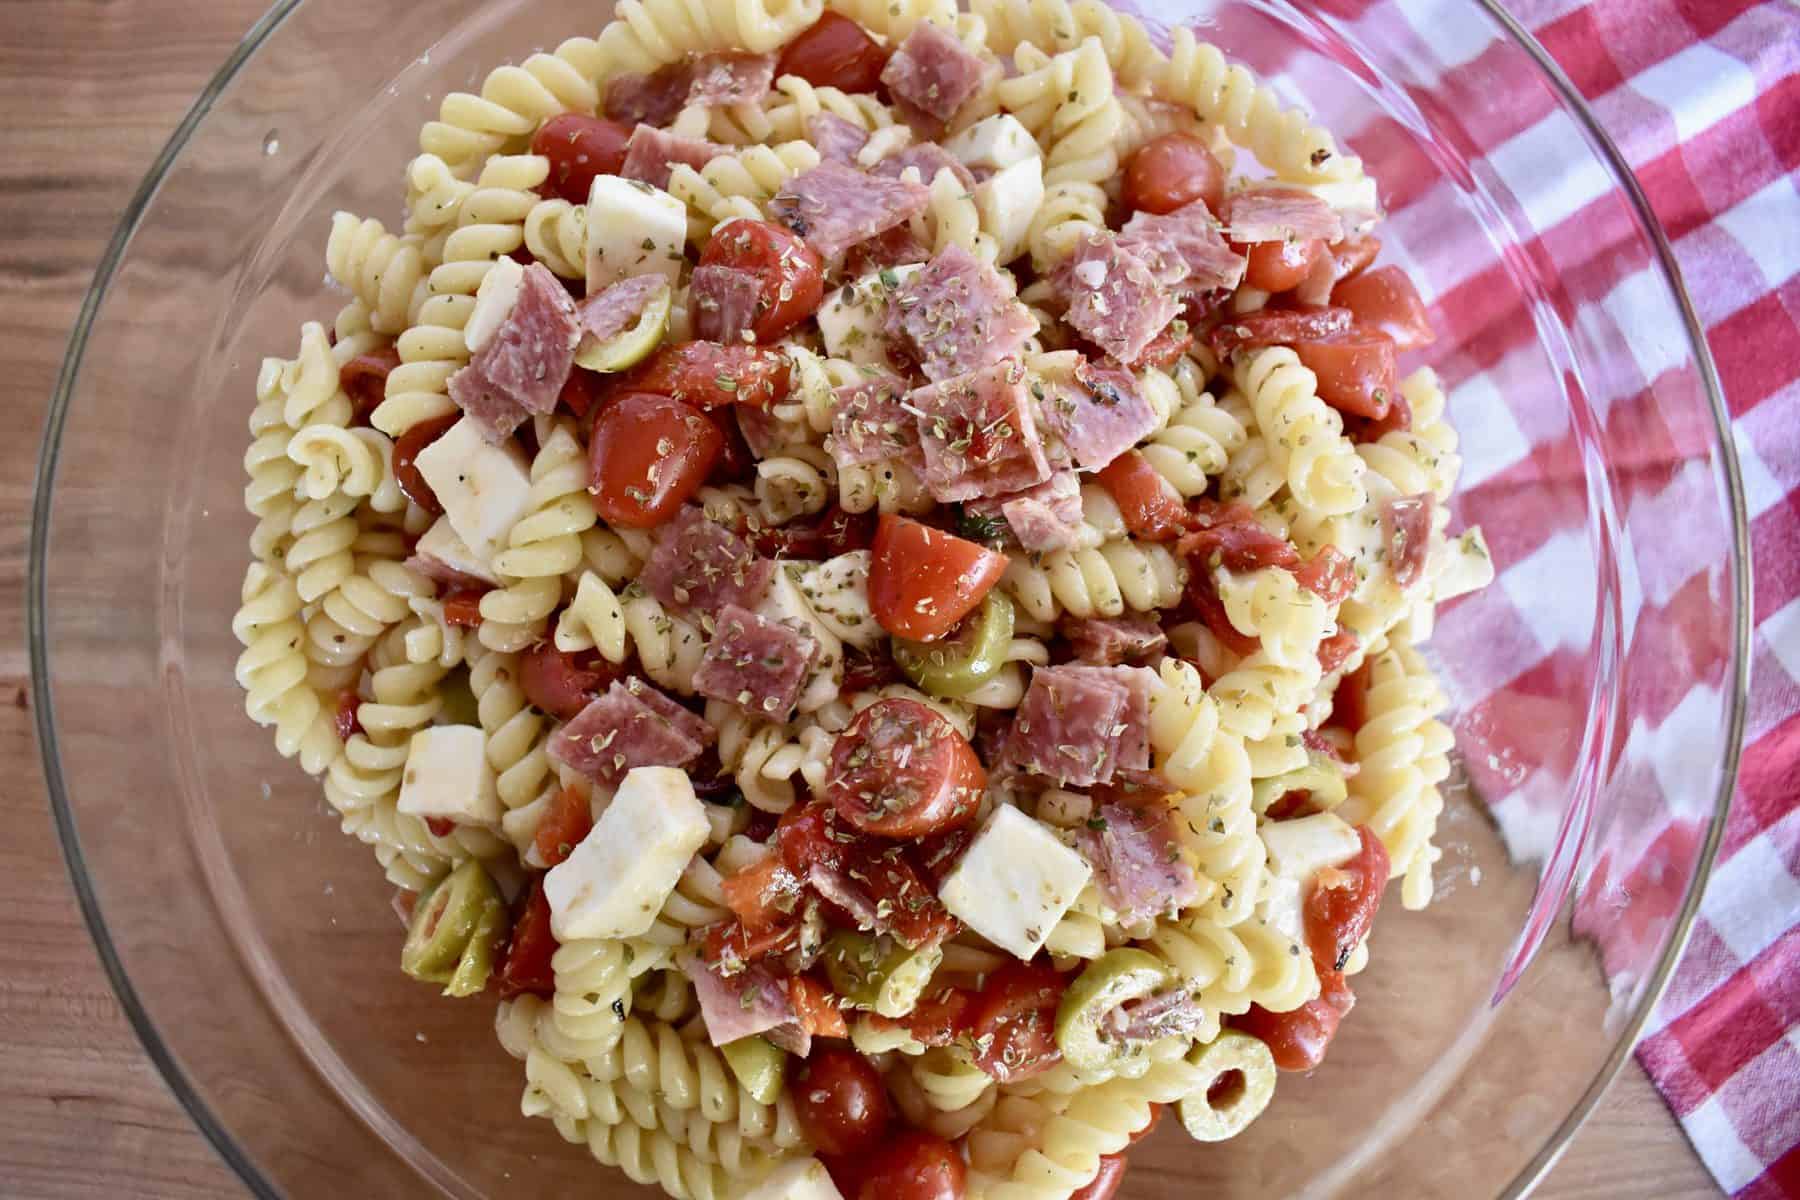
793 276
649 454
525 964
364 380
568 819
561 683
901 770
841 1102
1151 506
1341 906
922 581
1278 266
816 1006
915 1166
579 147
711 375
1013 1021
1171 172
1297 1040
1277 327
1386 301
834 52
406 470
1356 371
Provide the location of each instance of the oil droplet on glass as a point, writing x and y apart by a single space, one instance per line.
271 144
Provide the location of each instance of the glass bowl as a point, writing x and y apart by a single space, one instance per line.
1598 685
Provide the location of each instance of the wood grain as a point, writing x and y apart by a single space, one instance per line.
88 93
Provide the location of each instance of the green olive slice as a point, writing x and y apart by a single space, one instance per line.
1239 1075
1319 778
760 1067
463 912
967 658
1115 978
632 345
879 974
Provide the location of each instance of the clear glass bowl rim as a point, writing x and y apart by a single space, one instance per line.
220 1137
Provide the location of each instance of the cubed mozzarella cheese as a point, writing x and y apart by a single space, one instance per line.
441 543
447 775
996 143
1279 906
1355 200
796 1179
494 302
1460 565
1015 882
617 879
853 319
838 590
1300 848
484 489
633 229
783 602
1008 200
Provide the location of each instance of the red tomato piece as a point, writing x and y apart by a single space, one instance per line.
1276 327
1151 506
834 52
1352 256
1297 1040
579 147
827 535
736 464
729 943
1013 1022
1330 575
712 375
1356 371
345 720
1106 1183
763 894
525 963
817 1007
915 1166
581 393
1171 172
1397 420
462 608
441 827
1201 597
922 581
816 842
1239 542
561 683
840 1101
901 770
792 274
1386 301
1340 907
940 1017
406 471
937 854
649 454
1279 266
568 819
1165 349
364 380
1336 650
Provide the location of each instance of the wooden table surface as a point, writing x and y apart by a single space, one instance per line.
88 93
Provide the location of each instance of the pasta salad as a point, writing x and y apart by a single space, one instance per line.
860 566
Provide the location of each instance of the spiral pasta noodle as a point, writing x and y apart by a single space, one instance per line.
1304 437
382 270
1103 581
1200 437
544 545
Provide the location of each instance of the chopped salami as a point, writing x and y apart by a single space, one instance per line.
624 729
755 663
723 301
651 155
835 206
979 435
1114 299
1065 726
1099 415
522 368
1137 861
836 139
730 77
1043 518
1407 522
896 247
671 711
934 72
959 315
1279 214
700 566
929 158
870 422
1109 641
1184 250
651 99
751 1001
618 307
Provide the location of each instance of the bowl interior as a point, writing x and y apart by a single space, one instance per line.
1596 684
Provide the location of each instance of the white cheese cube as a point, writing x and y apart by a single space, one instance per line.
484 489
494 302
838 591
796 1179
633 229
1280 906
1461 564
853 318
994 142
447 775
1007 202
1015 882
617 879
1299 849
783 602
441 543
